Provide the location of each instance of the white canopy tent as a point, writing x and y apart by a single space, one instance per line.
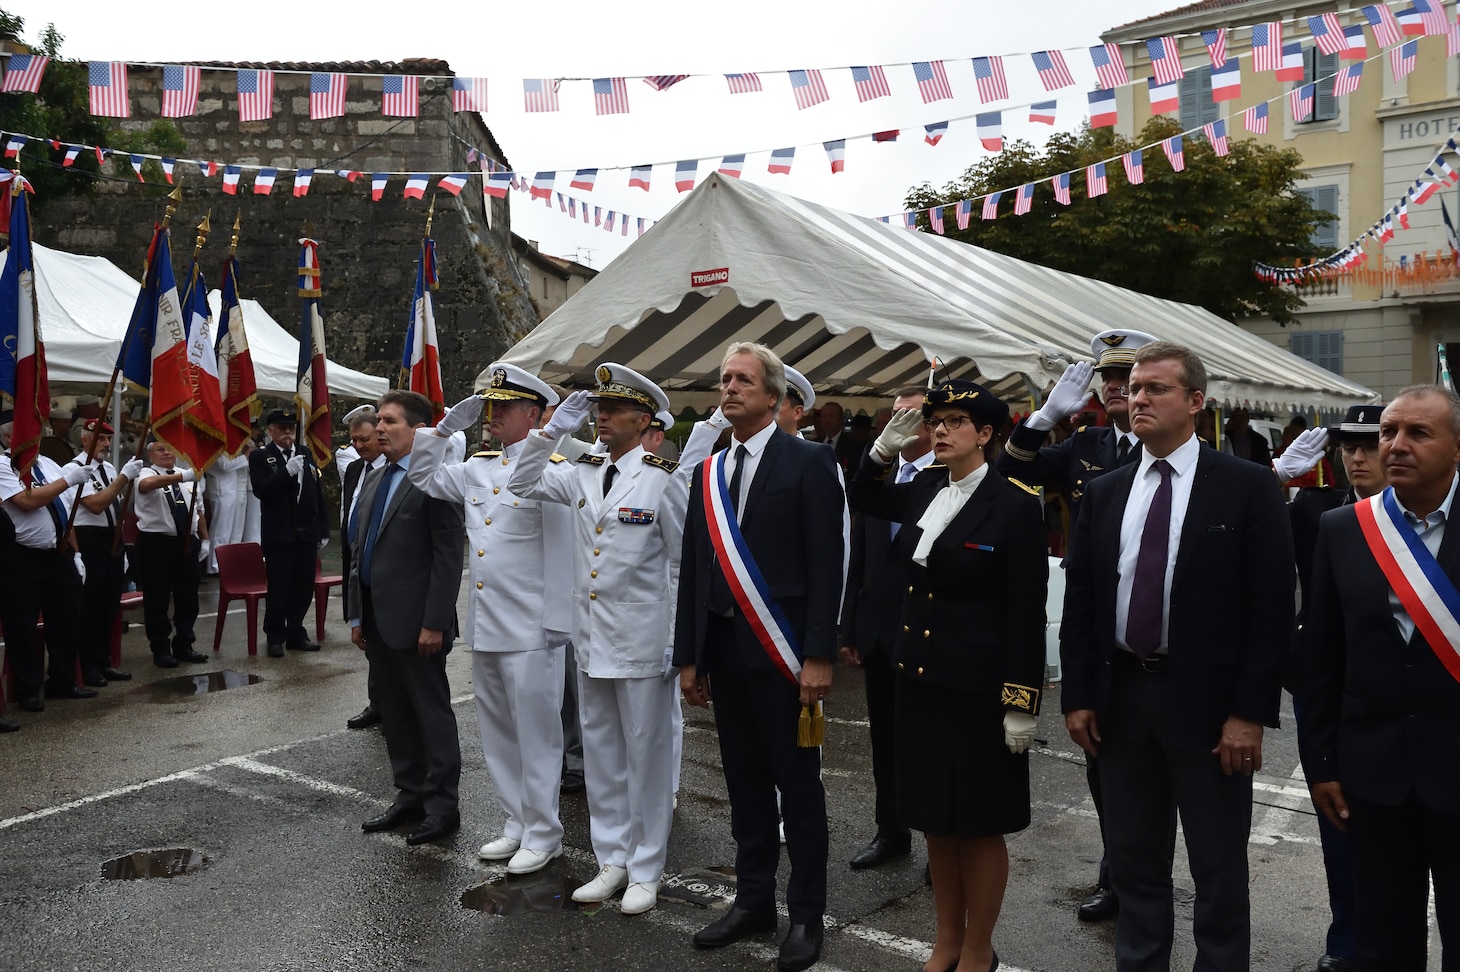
861 307
85 304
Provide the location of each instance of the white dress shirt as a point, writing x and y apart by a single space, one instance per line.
754 449
103 474
154 508
1431 531
375 463
1143 490
33 528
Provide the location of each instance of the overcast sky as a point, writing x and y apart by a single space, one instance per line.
696 118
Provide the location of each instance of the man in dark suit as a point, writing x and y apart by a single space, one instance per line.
783 498
404 586
1381 701
363 439
1172 698
869 625
293 526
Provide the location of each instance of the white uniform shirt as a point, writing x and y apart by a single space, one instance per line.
1143 490
103 474
33 528
1431 532
154 508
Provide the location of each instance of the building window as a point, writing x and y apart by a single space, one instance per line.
1325 237
1318 70
1197 106
1323 348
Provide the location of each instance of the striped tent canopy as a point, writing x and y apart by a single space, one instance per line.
861 307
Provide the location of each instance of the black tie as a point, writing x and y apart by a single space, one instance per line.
740 455
608 475
115 506
179 509
1122 448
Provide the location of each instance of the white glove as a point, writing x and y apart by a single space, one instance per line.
295 465
1301 455
568 416
717 420
187 475
132 468
1067 395
900 432
80 567
461 416
324 542
1018 731
75 475
204 549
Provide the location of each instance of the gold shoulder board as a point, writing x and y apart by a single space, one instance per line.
594 458
487 455
1024 486
555 457
935 465
668 465
1082 428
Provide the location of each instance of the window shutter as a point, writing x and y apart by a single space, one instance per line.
1190 103
1326 198
1325 105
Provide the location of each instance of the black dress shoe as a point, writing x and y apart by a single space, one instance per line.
94 679
801 948
303 646
369 716
69 692
396 816
164 661
276 649
884 848
734 925
7 726
434 827
1101 904
1333 963
116 675
33 703
572 783
189 656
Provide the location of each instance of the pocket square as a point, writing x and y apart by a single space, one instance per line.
1220 528
978 546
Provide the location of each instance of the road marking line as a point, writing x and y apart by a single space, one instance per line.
325 786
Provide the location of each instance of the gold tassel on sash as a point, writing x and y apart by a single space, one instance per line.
811 727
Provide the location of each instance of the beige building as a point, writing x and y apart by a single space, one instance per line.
550 280
1361 152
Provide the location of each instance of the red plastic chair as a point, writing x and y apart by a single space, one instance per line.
322 585
241 576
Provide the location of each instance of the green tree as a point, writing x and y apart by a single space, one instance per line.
159 138
1190 236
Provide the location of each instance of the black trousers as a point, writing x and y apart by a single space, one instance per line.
414 699
755 716
1395 852
168 575
40 582
1092 780
101 595
1147 774
290 569
881 684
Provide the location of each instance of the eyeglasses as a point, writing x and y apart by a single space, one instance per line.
950 422
1153 389
1349 448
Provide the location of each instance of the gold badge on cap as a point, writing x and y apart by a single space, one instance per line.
604 374
1113 340
499 377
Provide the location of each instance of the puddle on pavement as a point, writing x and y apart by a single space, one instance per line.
153 864
185 687
511 896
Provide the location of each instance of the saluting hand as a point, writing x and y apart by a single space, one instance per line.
461 416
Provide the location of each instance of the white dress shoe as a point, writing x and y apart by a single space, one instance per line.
526 861
639 897
499 849
611 880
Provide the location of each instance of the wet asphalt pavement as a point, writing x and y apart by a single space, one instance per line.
266 784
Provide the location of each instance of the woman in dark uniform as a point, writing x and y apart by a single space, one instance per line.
970 656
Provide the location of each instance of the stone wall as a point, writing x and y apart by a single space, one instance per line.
367 249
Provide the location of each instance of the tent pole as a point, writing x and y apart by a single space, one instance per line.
1036 396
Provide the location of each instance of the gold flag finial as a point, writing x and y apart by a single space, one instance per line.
204 228
430 215
173 198
309 228
233 244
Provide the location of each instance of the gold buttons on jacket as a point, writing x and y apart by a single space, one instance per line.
489 521
592 596
927 634
479 585
901 665
504 462
920 669
595 551
904 627
514 502
598 529
496 490
593 573
481 553
930 595
909 589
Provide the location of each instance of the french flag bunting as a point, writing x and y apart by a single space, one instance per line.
72 151
639 177
349 175
208 169
13 145
932 81
808 88
1175 153
1254 119
743 83
781 160
1402 59
1431 17
1292 69
935 219
540 94
935 132
1451 176
469 94
399 95
1327 33
542 185
179 90
1165 55
1216 133
989 73
1402 213
662 82
327 94
1109 67
888 136
1381 21
1042 112
990 130
1227 81
610 96
1095 184
871 83
23 73
732 165
1135 167
1062 188
685 173
1054 73
836 153
101 154
1267 46
497 184
1423 190
377 185
991 206
1216 43
416 186
1102 108
302 179
1347 80
1164 97
1409 22
453 183
168 165
584 179
255 95
1355 44
230 179
137 167
263 183
107 83
1024 199
963 213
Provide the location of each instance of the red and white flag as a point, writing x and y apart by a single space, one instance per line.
179 90
399 95
327 94
312 393
107 83
255 95
468 94
23 72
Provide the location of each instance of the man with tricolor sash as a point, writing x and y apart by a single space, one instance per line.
1380 697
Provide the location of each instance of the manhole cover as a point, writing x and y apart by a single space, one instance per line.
189 686
520 896
704 888
153 864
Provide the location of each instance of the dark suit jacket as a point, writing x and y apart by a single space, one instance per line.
415 569
1231 597
1304 512
353 475
973 618
1068 466
876 581
792 524
1381 716
287 513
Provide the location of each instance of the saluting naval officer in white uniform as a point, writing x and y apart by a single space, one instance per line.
628 508
516 545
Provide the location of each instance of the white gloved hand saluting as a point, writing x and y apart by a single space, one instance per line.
295 465
1018 731
1067 395
187 475
132 468
461 416
900 432
1301 455
717 420
568 416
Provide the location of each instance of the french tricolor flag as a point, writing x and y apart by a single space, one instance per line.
302 179
1164 97
137 167
837 153
584 179
542 185
781 161
732 165
209 169
230 179
167 168
1043 112
263 183
935 132
13 145
377 185
453 183
72 151
497 184
1424 190
639 177
684 175
1102 108
1227 81
990 130
416 186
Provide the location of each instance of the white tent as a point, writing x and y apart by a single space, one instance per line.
85 303
861 307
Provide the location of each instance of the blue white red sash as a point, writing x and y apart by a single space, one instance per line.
1428 595
743 576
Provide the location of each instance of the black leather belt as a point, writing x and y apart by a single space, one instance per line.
1154 665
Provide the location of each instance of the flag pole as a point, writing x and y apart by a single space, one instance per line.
204 228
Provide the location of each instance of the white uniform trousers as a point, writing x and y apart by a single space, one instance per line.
519 695
677 751
628 727
252 517
229 506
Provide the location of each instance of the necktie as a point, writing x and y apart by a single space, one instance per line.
1122 448
905 474
179 509
377 513
608 475
55 507
1143 619
740 454
114 508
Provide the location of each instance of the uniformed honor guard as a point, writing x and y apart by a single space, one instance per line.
517 548
1068 467
228 497
172 537
628 508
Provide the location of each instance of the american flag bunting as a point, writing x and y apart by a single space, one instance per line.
326 95
1431 17
1095 184
540 94
935 219
255 95
1254 119
742 83
991 206
469 94
1347 80
963 212
1267 46
932 79
1216 44
1327 33
989 73
1165 55
179 90
107 83
1061 184
910 221
610 96
1402 59
23 72
1216 133
1300 102
870 83
1024 199
399 95
1109 67
1175 152
661 82
1381 21
808 87
1135 167
1054 73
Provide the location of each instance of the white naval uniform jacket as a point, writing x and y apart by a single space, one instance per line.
626 549
519 556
